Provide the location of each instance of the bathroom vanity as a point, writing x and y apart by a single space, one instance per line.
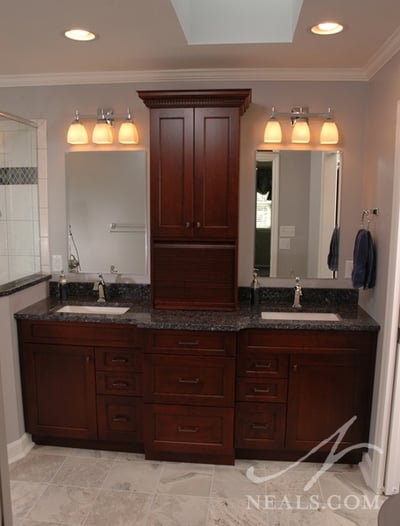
202 387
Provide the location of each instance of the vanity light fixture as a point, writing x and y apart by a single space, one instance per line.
128 133
103 129
300 119
77 133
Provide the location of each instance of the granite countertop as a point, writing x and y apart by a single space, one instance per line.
141 314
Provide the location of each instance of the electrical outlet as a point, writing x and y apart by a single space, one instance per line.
57 262
348 269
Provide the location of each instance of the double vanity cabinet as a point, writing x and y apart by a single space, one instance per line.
254 391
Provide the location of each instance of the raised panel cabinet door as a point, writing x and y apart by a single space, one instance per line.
59 390
326 390
216 172
171 169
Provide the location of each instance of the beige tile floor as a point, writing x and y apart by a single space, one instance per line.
55 486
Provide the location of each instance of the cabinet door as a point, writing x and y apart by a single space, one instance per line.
216 171
59 390
171 168
325 391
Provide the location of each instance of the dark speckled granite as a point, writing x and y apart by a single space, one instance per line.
140 313
114 291
24 283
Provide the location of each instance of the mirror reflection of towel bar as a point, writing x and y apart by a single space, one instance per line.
126 227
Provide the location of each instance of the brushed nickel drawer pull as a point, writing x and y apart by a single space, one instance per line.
195 342
120 419
257 390
120 384
188 380
189 429
260 427
119 360
259 365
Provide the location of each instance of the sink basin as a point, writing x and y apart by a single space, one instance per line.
306 316
92 309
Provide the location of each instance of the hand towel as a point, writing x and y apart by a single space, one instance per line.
364 260
333 256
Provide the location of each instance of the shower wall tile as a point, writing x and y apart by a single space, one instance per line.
3 208
3 238
20 266
20 238
19 202
4 269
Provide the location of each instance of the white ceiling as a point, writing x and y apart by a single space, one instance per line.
143 40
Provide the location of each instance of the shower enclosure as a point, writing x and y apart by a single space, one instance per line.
19 217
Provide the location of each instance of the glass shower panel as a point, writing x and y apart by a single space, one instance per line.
19 207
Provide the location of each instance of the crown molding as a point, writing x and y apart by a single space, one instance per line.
384 54
187 75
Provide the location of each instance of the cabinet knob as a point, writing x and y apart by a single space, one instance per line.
187 224
198 224
295 368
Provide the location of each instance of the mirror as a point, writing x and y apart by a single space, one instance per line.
106 208
297 213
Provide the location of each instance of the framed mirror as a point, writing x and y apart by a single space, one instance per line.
106 209
297 213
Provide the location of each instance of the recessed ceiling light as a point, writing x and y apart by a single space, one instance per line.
327 28
82 35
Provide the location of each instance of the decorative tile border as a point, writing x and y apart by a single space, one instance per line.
19 175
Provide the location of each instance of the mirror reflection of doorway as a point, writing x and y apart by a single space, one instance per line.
267 199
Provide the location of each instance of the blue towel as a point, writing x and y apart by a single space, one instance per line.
333 256
364 260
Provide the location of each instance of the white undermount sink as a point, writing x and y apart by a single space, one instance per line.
92 309
298 316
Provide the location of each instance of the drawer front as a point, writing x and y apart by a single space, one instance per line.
81 333
185 429
192 342
118 359
188 379
261 389
261 363
119 383
260 426
119 418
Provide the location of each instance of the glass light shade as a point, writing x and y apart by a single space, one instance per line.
77 133
102 133
301 132
329 133
273 131
128 133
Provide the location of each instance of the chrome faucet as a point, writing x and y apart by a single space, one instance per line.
297 294
100 287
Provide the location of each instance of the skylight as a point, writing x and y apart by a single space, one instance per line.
237 21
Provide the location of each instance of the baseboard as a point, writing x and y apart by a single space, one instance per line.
366 469
19 448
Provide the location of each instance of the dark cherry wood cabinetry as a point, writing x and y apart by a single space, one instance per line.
297 388
82 382
194 181
189 379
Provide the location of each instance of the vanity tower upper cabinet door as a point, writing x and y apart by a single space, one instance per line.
194 182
